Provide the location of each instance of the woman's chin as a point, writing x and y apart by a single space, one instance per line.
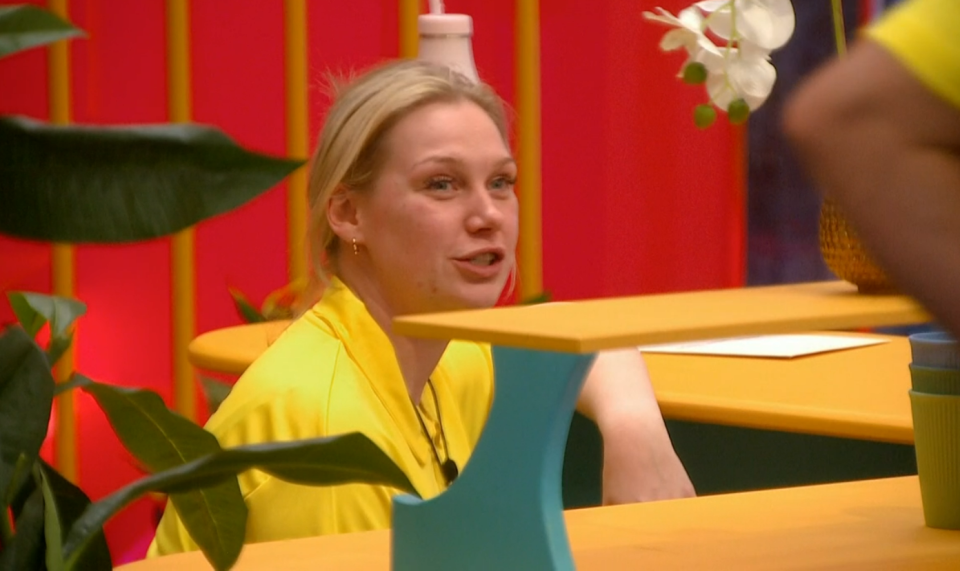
478 297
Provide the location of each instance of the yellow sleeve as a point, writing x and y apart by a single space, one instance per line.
925 36
285 395
278 509
279 417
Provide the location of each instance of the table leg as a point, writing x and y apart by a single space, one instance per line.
505 511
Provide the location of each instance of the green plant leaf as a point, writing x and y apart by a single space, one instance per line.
161 439
69 503
75 381
36 309
18 498
248 313
122 184
319 461
57 347
26 549
155 435
52 537
215 516
215 392
24 26
26 396
29 318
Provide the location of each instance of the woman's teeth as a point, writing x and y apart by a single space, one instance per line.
483 259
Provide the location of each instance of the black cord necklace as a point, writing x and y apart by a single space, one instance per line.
447 467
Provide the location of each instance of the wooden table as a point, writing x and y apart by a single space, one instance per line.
869 525
857 393
854 393
587 326
593 325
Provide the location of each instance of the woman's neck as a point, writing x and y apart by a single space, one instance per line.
417 357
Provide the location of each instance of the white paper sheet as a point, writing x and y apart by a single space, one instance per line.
776 346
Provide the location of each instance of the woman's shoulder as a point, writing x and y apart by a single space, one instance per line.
286 384
303 354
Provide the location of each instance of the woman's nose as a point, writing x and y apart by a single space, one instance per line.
485 213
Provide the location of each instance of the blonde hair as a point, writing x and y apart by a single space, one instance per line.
350 149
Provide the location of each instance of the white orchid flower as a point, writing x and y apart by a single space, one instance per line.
743 74
739 67
766 23
688 33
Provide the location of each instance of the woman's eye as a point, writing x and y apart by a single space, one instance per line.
440 183
503 183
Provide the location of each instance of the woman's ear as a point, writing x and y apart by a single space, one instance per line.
342 215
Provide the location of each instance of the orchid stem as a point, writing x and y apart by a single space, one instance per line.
734 37
838 31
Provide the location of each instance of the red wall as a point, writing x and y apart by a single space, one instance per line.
635 199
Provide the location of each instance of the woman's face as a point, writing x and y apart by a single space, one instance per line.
440 223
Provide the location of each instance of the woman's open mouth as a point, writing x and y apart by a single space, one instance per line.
481 266
485 259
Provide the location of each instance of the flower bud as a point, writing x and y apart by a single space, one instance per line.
738 111
704 115
694 73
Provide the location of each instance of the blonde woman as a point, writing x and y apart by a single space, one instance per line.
413 211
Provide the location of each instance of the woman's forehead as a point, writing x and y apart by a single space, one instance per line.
446 131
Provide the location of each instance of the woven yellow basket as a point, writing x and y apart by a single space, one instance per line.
846 256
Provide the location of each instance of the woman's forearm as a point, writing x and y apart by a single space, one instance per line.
639 462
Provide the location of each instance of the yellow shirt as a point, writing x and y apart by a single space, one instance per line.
925 36
334 371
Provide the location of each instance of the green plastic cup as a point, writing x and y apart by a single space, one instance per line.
936 430
933 380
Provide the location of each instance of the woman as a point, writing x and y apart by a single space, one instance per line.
413 211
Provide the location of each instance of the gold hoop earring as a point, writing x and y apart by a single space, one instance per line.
356 249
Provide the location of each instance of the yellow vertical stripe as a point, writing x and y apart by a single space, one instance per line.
65 438
295 56
178 60
528 146
408 10
182 269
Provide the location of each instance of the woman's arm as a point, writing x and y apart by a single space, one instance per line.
639 463
887 149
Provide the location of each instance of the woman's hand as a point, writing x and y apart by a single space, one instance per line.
639 462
